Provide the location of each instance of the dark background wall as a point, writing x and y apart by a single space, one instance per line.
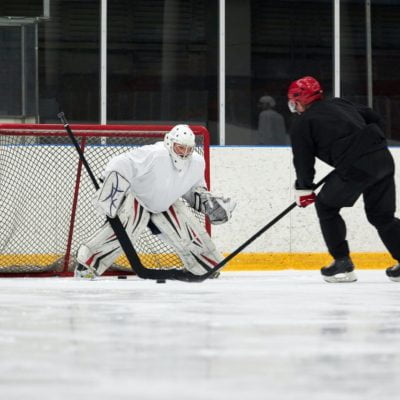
163 59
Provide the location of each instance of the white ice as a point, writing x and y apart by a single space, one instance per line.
248 336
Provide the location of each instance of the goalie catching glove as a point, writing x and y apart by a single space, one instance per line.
217 208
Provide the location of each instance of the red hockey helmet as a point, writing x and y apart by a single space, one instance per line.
306 90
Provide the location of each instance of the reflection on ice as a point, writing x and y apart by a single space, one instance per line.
271 335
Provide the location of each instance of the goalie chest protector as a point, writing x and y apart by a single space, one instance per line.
154 180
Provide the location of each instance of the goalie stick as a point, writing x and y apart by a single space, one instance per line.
118 228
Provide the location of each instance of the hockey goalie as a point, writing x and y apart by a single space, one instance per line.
145 187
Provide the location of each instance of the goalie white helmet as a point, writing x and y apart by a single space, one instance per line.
180 142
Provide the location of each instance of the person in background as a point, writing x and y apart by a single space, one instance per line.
271 125
350 138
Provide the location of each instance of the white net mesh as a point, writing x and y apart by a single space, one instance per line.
46 194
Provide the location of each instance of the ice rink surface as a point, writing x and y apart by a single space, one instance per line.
255 335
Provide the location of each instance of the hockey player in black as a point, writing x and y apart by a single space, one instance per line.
350 138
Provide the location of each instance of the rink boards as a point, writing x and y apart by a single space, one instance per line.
243 262
260 179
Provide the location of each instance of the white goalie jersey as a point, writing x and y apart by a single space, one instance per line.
153 180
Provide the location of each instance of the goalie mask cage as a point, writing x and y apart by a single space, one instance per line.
46 195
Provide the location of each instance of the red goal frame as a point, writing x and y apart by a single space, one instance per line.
84 132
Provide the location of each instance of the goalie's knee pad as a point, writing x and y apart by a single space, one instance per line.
181 230
102 248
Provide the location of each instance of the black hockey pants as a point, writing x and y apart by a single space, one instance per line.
373 177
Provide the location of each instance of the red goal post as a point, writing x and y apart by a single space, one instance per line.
46 195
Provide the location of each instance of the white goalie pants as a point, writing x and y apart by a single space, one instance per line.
178 228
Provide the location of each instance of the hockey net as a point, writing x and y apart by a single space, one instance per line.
46 195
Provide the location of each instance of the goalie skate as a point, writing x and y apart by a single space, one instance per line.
339 271
84 272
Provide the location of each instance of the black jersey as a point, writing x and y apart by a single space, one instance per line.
337 132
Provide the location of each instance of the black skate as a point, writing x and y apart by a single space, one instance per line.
394 273
339 271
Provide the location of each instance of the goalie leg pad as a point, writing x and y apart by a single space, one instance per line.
180 229
102 248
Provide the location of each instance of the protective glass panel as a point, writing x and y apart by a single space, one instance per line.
163 61
385 61
11 70
275 43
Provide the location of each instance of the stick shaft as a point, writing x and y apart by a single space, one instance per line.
115 223
71 135
257 234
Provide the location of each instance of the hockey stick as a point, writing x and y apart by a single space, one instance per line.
117 226
220 265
